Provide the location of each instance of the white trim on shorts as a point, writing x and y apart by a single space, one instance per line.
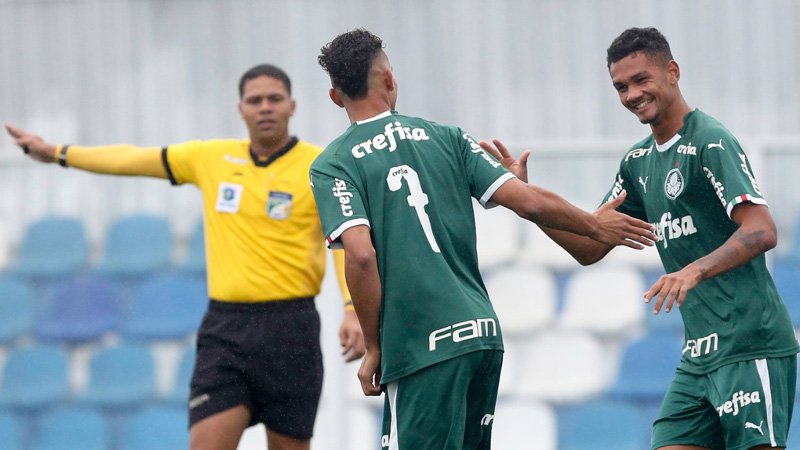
763 373
391 392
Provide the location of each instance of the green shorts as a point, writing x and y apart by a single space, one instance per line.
447 406
735 407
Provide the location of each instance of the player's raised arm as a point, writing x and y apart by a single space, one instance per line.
586 236
108 159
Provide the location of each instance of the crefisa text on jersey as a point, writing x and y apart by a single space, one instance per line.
340 192
387 139
669 228
476 148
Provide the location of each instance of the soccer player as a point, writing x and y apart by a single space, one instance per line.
735 386
258 348
396 192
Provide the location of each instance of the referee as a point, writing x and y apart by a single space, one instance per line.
258 348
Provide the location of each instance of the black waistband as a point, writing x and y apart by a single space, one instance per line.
289 304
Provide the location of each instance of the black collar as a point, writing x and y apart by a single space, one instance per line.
292 142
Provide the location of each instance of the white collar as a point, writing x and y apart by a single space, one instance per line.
666 145
379 116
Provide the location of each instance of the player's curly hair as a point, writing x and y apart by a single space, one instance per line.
347 59
265 70
649 41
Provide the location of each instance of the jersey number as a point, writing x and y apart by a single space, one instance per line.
417 199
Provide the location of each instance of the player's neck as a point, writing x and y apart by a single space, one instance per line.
671 122
368 107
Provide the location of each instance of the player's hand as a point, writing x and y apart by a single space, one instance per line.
31 144
501 153
672 288
369 374
616 228
350 337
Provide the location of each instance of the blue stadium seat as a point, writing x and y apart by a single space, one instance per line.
647 368
787 280
605 300
793 439
167 307
663 322
72 428
155 428
80 310
195 261
602 425
35 377
522 425
52 247
792 254
12 432
649 413
17 309
120 377
137 245
180 390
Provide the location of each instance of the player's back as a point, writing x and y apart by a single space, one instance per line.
414 181
412 178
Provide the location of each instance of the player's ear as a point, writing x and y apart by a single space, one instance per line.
335 98
673 72
388 80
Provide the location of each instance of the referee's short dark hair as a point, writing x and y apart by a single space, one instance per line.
649 41
265 70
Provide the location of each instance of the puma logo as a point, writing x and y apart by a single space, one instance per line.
644 183
748 425
717 145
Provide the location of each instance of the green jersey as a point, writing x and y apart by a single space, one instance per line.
412 182
687 188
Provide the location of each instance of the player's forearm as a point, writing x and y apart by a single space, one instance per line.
584 249
545 208
361 270
548 209
115 159
743 245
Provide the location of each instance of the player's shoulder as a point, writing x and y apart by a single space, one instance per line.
331 153
639 151
705 130
341 143
431 125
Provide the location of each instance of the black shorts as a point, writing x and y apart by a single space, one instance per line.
265 356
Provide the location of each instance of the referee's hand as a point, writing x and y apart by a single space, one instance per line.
31 144
350 337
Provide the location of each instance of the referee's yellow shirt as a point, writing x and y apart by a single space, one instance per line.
263 235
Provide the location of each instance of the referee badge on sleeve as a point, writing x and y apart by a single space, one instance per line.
279 205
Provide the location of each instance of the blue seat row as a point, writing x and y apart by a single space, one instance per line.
121 377
135 245
78 427
85 308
